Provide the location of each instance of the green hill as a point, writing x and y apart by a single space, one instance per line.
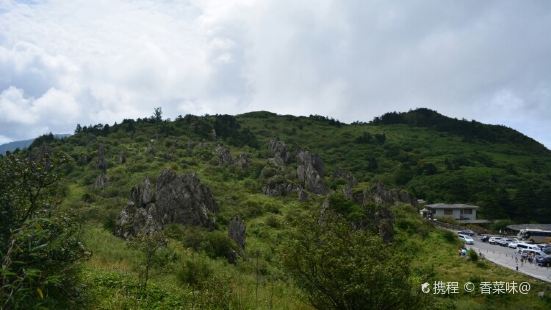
435 158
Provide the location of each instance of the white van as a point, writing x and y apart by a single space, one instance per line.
523 245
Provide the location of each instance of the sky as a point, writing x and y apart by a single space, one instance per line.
88 62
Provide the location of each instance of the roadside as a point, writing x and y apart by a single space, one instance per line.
508 258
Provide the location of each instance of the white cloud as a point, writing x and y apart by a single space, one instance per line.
63 62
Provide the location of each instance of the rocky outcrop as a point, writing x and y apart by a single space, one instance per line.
101 163
101 181
346 176
349 182
224 155
280 153
378 194
243 160
310 172
181 199
384 221
302 194
279 187
236 231
122 158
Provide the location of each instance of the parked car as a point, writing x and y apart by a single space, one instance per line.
530 252
503 241
466 239
493 240
466 232
543 260
546 250
485 238
513 243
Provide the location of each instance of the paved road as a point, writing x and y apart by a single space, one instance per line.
505 257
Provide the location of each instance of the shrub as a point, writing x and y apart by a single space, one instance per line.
273 221
194 272
218 244
472 255
449 236
339 267
39 246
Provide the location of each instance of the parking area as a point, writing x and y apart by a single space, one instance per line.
509 258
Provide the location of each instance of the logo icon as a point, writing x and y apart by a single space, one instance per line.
425 287
469 287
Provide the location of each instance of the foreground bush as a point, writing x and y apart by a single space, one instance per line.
39 247
339 267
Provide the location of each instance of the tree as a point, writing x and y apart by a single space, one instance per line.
39 246
148 243
157 114
340 267
78 129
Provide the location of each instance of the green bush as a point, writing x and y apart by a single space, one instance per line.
273 221
40 247
218 244
339 267
473 256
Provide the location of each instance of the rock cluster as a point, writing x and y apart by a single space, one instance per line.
310 171
181 199
242 161
101 181
102 163
279 187
378 194
224 155
278 149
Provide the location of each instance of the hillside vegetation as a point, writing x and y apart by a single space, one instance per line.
325 251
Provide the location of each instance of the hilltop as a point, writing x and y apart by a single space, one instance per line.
246 198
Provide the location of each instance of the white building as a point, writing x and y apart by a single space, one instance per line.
460 212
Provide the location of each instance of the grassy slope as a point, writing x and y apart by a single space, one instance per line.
111 274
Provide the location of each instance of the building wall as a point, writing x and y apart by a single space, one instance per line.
456 214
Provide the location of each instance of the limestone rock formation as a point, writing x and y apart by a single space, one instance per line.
122 158
310 171
101 181
279 187
278 150
243 160
224 155
181 199
379 194
347 176
384 219
102 163
302 194
236 231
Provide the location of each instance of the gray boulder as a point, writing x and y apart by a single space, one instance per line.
236 231
310 172
101 181
102 163
176 198
243 160
278 149
279 187
302 194
378 194
224 155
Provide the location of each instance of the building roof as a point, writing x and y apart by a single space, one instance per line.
450 206
518 227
